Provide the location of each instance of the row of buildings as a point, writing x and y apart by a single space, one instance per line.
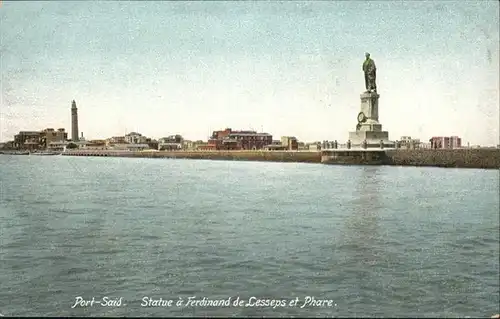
226 139
57 140
39 139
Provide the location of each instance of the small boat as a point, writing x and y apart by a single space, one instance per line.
16 153
45 153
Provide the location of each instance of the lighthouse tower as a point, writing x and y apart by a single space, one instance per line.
74 122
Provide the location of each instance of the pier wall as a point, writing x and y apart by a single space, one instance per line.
269 156
466 158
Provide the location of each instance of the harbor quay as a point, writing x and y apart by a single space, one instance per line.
454 158
242 155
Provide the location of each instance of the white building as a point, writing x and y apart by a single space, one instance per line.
408 142
135 138
58 146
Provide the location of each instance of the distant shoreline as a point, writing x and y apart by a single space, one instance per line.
451 158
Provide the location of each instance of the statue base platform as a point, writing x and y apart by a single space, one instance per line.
369 133
372 138
354 157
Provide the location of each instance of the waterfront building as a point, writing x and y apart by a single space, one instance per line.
135 138
57 146
275 147
251 140
27 140
445 142
456 142
290 142
50 135
187 145
239 140
172 142
178 139
81 143
110 142
408 142
31 145
152 143
203 146
96 144
32 140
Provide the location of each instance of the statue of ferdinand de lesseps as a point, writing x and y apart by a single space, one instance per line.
370 71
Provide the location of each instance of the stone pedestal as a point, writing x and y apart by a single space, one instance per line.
369 129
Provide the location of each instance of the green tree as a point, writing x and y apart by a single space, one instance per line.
72 146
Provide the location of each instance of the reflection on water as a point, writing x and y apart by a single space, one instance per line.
362 224
366 241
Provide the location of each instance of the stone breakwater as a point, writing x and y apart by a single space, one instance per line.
269 156
464 158
460 158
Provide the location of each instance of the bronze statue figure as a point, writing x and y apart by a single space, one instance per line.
370 74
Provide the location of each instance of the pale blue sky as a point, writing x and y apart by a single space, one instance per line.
289 68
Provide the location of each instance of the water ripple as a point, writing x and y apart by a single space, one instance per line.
379 241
